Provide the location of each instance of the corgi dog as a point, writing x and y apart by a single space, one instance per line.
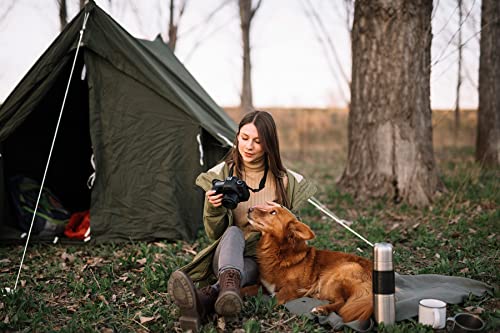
290 269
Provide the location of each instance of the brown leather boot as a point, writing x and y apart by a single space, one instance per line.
194 304
229 302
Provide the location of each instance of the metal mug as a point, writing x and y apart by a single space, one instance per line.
465 323
432 312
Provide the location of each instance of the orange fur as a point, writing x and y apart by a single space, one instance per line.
296 269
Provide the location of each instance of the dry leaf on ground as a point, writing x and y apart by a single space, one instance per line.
143 320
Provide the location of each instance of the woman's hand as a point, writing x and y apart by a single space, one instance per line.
214 199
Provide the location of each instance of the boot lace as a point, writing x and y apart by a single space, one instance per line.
231 277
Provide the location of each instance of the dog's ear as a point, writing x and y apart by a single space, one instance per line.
302 231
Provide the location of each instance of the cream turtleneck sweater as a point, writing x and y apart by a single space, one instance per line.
252 175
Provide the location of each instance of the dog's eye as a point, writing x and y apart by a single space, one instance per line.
273 212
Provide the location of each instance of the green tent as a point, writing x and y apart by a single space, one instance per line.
151 127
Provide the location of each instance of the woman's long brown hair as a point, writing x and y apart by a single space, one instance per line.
268 135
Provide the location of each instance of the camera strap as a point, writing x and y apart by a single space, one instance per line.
262 182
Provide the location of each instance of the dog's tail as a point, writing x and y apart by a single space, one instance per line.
358 307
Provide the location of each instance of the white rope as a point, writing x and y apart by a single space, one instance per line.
229 142
90 181
313 201
200 148
51 149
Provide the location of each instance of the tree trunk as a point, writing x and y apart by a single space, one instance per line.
390 151
172 28
459 76
173 23
246 16
488 124
63 14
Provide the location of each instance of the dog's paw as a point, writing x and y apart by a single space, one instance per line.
318 311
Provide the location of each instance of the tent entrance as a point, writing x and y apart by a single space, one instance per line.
140 109
26 150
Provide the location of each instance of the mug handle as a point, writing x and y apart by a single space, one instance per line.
437 318
452 319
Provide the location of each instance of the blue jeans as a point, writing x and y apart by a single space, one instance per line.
229 254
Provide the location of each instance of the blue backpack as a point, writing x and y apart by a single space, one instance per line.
51 217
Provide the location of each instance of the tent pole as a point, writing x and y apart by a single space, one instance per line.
52 147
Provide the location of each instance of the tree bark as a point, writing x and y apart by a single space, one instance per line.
390 152
488 124
246 15
459 76
173 25
172 28
63 14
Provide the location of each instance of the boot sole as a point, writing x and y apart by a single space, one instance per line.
183 293
181 290
229 304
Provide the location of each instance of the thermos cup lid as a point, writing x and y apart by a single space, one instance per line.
382 252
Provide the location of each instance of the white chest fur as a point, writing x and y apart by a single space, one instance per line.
271 288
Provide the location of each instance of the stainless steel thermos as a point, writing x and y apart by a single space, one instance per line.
384 303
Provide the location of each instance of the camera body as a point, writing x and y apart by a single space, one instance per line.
234 191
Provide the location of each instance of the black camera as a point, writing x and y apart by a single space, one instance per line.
234 189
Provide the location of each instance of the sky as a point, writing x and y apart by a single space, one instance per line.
290 67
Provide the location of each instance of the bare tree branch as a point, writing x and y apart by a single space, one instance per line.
331 67
205 37
473 24
255 9
447 21
329 41
207 19
442 73
439 58
7 10
63 13
434 10
472 81
137 15
349 14
321 26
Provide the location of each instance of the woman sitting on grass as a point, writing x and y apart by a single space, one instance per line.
230 262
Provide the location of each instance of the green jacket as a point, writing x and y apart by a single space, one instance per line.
217 219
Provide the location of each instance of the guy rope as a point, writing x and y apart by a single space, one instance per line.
313 201
52 147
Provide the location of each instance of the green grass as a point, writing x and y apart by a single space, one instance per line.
123 287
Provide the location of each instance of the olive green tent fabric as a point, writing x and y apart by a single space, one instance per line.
151 127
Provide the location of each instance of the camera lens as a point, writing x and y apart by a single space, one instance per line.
230 200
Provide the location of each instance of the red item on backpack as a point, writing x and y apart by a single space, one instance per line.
78 226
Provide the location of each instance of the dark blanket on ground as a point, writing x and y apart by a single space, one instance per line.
410 289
